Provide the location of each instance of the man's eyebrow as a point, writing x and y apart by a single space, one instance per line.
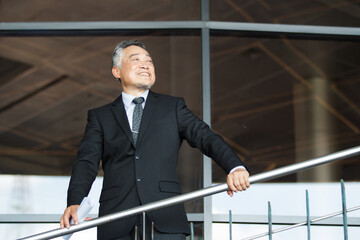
136 54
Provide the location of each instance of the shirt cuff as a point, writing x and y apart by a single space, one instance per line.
236 168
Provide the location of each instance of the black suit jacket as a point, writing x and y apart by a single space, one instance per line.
145 173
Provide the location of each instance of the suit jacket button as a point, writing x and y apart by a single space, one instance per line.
138 179
136 157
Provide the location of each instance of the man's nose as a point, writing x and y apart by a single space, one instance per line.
144 64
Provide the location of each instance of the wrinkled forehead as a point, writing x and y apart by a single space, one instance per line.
135 51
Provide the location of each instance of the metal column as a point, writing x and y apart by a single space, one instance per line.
206 113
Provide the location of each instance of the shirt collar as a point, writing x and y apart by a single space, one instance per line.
127 98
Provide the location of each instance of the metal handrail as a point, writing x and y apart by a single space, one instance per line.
196 194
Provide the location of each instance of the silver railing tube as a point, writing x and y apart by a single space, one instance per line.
196 194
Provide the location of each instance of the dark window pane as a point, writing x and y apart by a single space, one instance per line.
280 101
320 12
93 10
44 103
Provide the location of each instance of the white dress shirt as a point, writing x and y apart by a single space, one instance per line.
129 105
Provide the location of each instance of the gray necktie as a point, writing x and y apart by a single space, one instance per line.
138 110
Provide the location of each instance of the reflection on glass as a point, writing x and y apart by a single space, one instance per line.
280 101
49 83
322 13
92 10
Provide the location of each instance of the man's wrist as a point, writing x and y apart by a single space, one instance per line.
236 168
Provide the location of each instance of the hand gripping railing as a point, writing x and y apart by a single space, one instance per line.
196 194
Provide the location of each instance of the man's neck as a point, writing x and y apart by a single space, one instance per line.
135 92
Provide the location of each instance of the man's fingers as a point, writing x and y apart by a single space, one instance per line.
66 218
75 217
73 214
61 222
237 185
231 185
242 185
70 212
247 182
64 222
238 181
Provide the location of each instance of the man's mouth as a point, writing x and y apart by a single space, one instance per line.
144 74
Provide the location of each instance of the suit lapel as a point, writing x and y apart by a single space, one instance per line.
118 110
150 107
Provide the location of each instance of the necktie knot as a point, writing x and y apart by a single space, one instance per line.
138 100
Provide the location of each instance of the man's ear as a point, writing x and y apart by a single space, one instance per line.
116 72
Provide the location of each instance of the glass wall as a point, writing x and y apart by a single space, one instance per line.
49 83
277 99
282 101
93 10
303 12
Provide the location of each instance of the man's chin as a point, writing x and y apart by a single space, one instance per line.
145 86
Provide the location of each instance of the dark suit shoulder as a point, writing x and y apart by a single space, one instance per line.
165 97
107 106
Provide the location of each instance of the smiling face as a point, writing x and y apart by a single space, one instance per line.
137 72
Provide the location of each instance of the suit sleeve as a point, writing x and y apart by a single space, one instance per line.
198 134
86 165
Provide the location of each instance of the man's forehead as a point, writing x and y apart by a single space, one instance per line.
135 50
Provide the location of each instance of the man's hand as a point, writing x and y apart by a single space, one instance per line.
237 181
70 212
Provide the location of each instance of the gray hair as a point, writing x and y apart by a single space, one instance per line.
118 51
